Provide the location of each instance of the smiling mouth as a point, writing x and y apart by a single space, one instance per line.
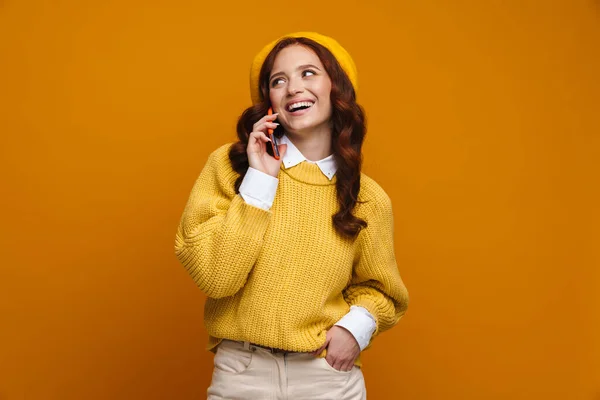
302 105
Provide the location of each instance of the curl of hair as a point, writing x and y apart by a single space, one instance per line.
348 133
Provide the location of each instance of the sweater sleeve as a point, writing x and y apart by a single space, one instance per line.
376 283
219 236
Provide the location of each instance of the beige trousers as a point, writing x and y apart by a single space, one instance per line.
246 372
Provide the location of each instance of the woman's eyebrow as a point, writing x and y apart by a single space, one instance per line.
298 68
308 66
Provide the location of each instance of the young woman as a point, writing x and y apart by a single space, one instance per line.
295 254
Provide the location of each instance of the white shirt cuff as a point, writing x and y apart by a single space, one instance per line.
258 189
360 323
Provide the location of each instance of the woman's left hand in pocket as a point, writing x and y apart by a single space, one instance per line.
342 348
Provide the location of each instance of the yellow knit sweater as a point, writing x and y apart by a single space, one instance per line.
281 278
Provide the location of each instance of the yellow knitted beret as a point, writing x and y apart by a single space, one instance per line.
330 44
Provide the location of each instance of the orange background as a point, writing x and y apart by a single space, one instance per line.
482 127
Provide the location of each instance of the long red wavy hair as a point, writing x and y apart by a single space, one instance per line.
348 133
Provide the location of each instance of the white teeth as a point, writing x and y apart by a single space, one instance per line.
294 106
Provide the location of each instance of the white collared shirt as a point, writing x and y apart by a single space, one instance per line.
258 189
293 157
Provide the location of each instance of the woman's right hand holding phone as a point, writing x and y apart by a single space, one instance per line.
258 158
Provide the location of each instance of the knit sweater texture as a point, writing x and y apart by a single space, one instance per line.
281 278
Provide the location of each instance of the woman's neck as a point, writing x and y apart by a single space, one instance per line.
314 145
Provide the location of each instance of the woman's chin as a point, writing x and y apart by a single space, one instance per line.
301 127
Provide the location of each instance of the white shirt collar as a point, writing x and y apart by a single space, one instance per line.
293 157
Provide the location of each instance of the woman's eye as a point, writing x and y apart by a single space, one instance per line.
276 81
307 72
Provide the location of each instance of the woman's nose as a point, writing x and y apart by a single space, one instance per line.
295 87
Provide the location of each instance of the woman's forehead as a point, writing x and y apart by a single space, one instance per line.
293 56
